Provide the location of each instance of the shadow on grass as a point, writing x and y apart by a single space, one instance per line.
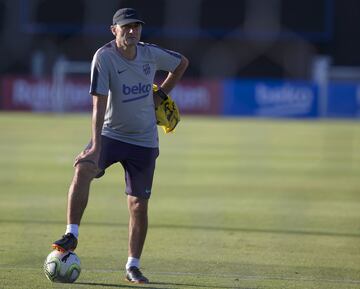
197 286
150 286
190 227
118 285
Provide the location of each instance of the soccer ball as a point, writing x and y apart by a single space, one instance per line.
62 267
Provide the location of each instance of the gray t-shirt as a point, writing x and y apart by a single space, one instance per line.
130 113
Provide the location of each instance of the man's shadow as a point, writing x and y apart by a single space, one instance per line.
152 284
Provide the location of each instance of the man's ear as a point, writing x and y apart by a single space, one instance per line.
113 29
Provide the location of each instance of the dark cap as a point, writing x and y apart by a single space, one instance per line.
125 16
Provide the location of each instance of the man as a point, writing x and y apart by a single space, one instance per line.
123 128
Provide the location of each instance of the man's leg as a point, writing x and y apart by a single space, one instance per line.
138 223
77 200
78 194
139 172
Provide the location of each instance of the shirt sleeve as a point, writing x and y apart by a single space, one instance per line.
100 76
165 59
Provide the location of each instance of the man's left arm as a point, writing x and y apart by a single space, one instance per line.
172 78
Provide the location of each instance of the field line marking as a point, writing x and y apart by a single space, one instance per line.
240 277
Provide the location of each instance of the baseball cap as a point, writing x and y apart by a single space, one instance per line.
125 16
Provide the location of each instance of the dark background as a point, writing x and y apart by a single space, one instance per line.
228 38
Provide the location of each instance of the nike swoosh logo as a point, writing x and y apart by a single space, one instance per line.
121 71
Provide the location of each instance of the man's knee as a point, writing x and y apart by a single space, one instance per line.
137 206
86 171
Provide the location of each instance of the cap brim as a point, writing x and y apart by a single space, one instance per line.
128 21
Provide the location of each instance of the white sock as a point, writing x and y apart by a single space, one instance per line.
132 262
73 229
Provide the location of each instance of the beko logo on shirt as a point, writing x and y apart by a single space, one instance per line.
136 89
139 91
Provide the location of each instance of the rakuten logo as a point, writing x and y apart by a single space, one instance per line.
136 89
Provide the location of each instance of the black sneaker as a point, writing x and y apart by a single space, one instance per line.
68 242
134 275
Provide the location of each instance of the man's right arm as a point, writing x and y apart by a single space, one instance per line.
99 107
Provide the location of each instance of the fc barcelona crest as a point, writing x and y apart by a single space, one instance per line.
146 68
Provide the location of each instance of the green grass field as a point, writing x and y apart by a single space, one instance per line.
237 203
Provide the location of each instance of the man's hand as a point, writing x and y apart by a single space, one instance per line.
167 113
158 95
88 156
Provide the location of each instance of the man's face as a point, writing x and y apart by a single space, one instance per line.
127 35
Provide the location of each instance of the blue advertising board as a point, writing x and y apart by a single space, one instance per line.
343 100
270 98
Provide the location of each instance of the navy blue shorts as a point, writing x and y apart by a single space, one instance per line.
137 161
